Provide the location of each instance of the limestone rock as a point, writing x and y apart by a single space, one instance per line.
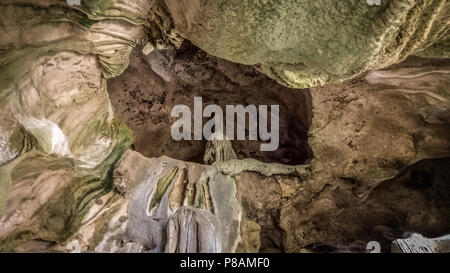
416 243
192 231
46 200
251 237
160 194
379 134
152 85
301 43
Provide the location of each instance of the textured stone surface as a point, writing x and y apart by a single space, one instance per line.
193 231
416 243
57 124
46 201
152 85
304 43
380 141
195 206
369 129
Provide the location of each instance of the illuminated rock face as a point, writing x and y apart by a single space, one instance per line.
162 204
59 135
68 180
302 43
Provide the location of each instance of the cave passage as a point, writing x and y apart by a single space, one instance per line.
144 95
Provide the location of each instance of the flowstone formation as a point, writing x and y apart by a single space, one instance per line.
375 166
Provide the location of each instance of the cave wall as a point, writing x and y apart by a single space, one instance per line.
307 43
64 158
144 95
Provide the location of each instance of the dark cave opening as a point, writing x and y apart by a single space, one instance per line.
144 95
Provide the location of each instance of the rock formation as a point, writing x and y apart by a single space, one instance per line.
86 158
